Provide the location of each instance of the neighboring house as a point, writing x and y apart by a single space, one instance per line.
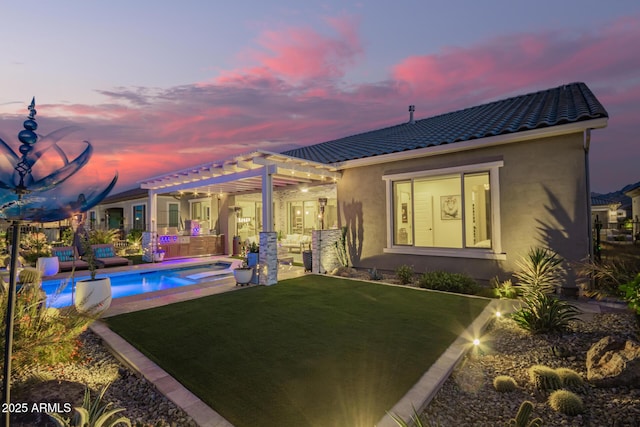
633 191
468 191
606 211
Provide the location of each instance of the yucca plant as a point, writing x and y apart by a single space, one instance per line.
540 270
92 414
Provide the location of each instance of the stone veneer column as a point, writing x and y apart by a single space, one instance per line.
149 245
323 248
268 258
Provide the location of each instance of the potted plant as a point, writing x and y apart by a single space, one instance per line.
253 254
243 273
158 255
93 295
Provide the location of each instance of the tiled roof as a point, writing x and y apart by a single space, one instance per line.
601 201
561 105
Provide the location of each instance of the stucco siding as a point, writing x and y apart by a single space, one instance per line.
542 203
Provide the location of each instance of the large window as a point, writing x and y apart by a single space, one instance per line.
446 209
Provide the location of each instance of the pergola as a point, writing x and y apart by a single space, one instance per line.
258 171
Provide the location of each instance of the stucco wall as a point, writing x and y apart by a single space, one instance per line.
542 203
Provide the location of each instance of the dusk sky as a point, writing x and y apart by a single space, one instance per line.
159 86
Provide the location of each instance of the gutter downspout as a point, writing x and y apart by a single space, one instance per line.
587 143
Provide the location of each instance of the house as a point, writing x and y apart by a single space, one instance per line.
633 191
606 211
468 191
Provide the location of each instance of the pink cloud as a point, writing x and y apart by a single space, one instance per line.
294 92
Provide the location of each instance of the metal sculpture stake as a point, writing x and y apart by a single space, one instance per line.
41 197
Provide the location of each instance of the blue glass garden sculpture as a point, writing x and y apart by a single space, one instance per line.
40 184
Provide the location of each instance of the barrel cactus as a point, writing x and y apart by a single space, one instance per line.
504 383
566 402
570 378
544 377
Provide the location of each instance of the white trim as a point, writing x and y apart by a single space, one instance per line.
446 252
474 144
494 253
444 171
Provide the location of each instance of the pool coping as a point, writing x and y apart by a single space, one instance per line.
417 398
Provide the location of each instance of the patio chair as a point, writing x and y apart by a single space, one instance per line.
106 256
67 257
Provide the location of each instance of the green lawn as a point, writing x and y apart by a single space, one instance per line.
310 351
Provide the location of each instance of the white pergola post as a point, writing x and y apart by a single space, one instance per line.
268 238
150 237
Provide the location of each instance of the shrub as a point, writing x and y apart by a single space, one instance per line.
34 246
544 377
544 313
607 275
570 378
405 274
340 247
93 413
566 402
540 270
504 290
522 418
98 237
631 293
504 383
41 335
449 282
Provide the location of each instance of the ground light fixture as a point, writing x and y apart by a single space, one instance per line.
40 184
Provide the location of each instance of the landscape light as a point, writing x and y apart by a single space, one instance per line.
476 342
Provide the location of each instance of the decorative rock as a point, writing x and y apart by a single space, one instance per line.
612 362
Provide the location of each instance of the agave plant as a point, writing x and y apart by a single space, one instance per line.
92 414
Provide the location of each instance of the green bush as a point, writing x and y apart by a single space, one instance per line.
504 383
544 313
544 377
631 293
540 270
570 378
98 237
449 282
503 290
34 246
405 274
522 418
566 402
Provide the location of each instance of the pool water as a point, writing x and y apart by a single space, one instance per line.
59 292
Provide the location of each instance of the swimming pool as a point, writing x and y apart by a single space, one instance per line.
127 284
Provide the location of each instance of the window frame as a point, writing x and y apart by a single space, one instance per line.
144 216
495 252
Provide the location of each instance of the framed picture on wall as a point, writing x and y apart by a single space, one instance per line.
405 214
450 207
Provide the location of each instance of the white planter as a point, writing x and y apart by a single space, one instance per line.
243 275
48 265
93 296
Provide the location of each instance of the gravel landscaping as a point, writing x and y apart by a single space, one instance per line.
468 397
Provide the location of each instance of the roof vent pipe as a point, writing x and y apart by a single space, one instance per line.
412 108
